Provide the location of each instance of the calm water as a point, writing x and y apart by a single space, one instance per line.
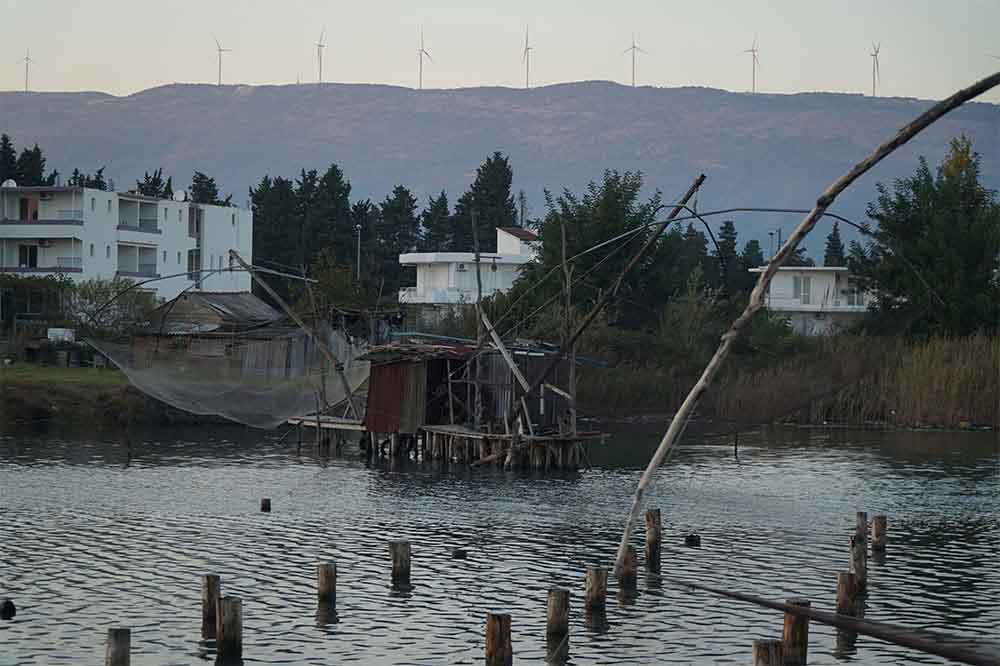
92 537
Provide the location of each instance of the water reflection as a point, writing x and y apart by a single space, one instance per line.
107 529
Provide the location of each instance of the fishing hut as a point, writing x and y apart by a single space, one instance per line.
451 399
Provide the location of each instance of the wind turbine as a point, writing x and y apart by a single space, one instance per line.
421 52
634 49
220 51
319 53
27 62
526 57
753 50
875 72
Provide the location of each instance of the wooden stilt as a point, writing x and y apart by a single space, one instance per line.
767 653
209 605
119 647
880 526
326 583
654 530
499 651
557 615
847 593
795 639
596 587
229 630
400 553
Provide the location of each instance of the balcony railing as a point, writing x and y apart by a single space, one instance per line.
69 262
75 214
148 227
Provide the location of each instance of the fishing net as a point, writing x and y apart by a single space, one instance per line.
259 377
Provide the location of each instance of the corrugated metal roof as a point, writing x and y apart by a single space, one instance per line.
236 307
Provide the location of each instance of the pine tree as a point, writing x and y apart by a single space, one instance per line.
491 200
729 257
834 254
31 167
753 255
8 159
276 229
168 189
204 191
437 224
153 185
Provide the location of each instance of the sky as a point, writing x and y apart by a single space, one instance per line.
929 48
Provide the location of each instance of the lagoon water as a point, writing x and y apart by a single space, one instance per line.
93 535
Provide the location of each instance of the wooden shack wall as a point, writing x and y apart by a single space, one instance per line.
397 397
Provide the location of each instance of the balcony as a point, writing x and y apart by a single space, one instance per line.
145 225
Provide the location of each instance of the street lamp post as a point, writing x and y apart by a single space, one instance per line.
357 265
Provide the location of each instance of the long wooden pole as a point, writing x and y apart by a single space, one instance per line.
605 299
330 356
568 320
480 339
824 201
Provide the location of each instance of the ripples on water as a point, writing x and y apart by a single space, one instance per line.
93 537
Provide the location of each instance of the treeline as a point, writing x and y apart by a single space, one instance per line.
28 169
313 222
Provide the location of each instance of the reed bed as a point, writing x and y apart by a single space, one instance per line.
944 382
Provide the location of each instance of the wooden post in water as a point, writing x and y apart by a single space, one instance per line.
119 647
499 651
795 638
627 571
654 534
326 583
229 630
847 593
767 653
880 525
557 615
265 505
400 553
596 587
859 561
209 604
861 529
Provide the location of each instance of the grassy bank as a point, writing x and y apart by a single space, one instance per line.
36 394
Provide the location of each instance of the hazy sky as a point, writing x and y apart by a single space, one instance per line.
929 47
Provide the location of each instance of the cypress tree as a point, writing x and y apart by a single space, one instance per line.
834 254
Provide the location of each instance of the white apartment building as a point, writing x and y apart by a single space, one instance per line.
449 278
86 233
817 300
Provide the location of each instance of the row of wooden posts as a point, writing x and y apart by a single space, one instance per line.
222 616
852 586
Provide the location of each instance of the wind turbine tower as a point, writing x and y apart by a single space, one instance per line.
634 49
220 50
753 50
875 72
526 57
27 63
421 52
319 53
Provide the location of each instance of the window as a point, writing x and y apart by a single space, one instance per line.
109 205
164 214
179 219
91 249
93 203
801 288
178 258
107 252
234 219
27 256
164 256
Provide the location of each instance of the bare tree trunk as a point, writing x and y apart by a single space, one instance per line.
680 419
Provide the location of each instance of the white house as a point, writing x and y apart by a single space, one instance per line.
86 233
449 278
817 300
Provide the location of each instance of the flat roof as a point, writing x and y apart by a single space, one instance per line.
832 269
520 232
461 258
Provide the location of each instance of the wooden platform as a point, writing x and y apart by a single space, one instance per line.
327 423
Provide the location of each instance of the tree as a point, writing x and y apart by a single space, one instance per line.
437 224
154 185
800 258
729 257
277 229
397 232
8 159
834 253
751 257
941 230
490 200
91 312
204 191
326 206
95 182
31 167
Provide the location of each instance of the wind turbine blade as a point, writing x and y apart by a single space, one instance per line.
217 44
428 56
627 50
641 50
321 34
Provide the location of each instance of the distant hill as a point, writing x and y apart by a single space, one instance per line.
757 150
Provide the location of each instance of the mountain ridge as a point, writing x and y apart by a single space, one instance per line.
764 149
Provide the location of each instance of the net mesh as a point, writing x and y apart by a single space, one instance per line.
259 378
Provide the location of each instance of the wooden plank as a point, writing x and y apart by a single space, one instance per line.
503 352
